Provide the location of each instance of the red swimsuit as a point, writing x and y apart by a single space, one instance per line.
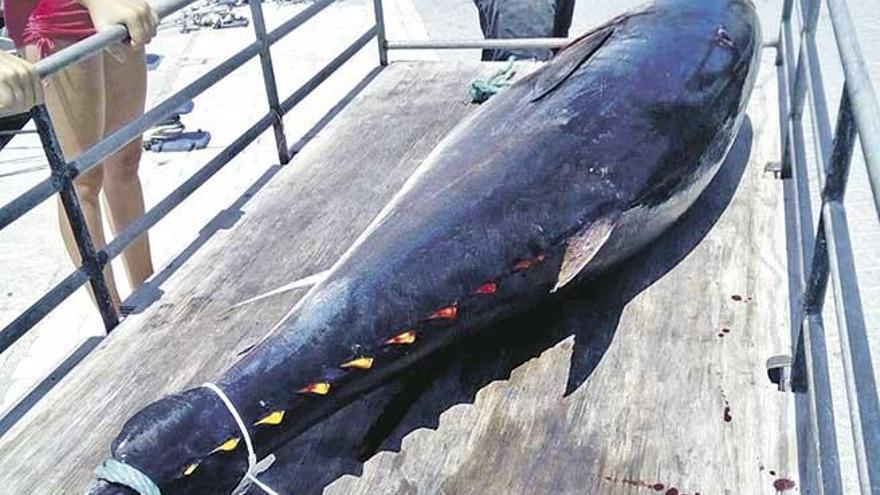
43 22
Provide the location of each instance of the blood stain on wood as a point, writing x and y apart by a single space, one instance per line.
783 484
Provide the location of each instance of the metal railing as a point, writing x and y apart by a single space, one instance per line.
823 250
63 172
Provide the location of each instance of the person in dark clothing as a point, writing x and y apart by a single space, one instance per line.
524 19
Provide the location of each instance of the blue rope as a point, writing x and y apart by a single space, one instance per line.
123 474
481 90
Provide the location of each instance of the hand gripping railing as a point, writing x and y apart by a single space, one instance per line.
823 251
64 172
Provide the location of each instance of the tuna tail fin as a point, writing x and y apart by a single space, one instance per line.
564 64
582 247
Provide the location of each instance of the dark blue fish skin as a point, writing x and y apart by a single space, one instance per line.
625 126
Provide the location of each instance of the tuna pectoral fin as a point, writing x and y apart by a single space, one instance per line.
573 56
582 247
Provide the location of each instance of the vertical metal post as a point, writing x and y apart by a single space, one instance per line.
61 173
380 33
864 101
822 438
861 385
269 80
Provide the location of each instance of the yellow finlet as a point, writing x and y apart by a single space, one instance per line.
273 418
228 445
320 388
405 338
189 469
361 363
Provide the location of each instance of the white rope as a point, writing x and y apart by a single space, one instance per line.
253 467
296 284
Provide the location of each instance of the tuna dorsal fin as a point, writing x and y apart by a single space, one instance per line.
582 247
567 61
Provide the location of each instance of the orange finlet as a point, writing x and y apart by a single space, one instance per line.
487 288
526 264
406 338
361 363
319 388
447 313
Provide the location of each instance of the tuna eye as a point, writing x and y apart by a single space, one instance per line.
723 37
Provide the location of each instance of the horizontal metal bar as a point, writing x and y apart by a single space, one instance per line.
861 94
810 13
787 74
309 135
783 89
521 43
13 132
27 201
821 122
287 26
97 42
331 67
135 128
183 191
38 310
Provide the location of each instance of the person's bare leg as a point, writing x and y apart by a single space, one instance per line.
125 88
75 100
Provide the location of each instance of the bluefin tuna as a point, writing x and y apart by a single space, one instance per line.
557 179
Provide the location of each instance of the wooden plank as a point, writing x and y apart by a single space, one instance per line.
613 390
631 387
299 224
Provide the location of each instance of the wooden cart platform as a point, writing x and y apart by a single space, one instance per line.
652 380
